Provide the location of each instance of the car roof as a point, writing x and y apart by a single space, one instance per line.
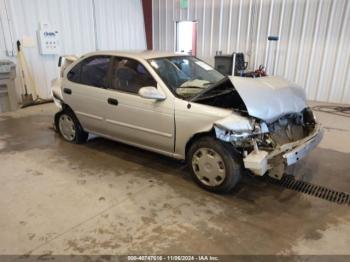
143 54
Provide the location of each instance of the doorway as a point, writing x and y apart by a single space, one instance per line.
186 37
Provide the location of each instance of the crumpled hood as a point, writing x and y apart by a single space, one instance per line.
268 98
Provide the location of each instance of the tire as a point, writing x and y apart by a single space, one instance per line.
69 127
214 166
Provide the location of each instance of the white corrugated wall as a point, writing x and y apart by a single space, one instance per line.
84 25
120 25
314 46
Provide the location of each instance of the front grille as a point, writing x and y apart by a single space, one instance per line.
288 129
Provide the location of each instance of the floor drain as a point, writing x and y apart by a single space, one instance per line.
331 195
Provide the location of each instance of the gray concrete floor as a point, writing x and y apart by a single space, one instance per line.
104 197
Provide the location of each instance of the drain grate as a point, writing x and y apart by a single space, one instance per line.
325 193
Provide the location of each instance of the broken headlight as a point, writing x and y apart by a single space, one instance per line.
308 116
238 135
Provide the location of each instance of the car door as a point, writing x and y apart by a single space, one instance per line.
144 122
84 90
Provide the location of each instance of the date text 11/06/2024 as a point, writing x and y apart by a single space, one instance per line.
173 258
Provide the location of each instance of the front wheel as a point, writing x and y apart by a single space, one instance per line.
69 127
214 165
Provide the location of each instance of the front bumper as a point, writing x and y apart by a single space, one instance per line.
259 162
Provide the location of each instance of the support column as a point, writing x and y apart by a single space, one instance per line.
147 16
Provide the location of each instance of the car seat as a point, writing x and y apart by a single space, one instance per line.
125 80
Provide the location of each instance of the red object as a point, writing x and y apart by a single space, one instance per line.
147 16
261 71
194 39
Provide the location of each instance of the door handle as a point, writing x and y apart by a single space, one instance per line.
112 101
67 91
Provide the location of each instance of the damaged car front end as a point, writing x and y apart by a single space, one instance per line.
278 130
269 148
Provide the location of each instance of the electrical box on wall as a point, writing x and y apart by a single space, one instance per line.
48 39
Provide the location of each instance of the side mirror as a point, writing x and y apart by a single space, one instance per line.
150 92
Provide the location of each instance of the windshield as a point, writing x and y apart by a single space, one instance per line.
186 76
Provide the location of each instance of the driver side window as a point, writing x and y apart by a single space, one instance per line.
130 75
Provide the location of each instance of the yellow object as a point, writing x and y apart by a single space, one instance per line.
25 76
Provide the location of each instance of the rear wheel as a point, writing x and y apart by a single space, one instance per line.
214 165
69 127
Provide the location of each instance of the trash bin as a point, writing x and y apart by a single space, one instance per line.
8 97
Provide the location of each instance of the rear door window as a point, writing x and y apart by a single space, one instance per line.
74 74
93 71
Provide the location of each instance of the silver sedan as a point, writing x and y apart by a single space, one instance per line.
181 107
